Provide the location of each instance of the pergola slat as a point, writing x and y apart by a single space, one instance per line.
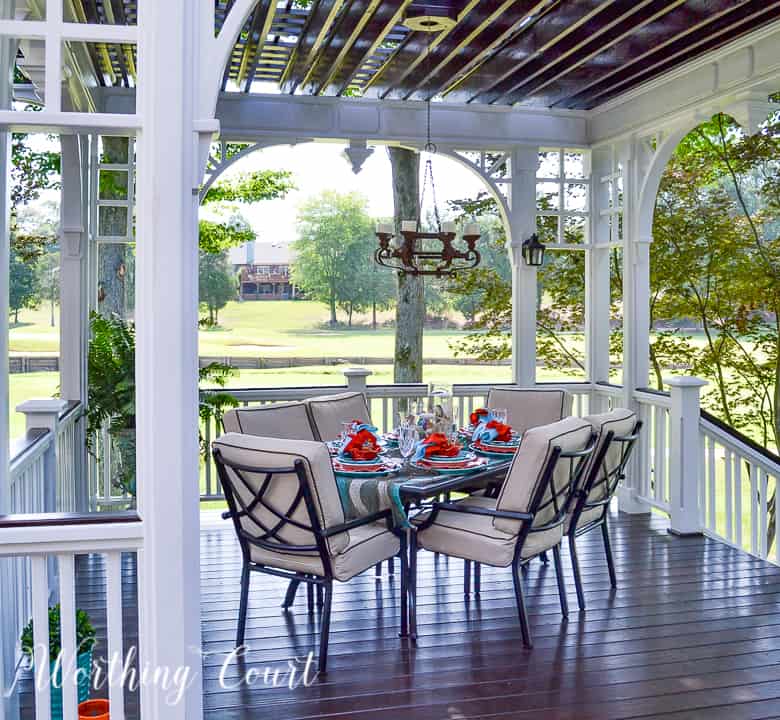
631 59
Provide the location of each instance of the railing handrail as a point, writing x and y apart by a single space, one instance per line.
306 391
27 449
741 443
53 533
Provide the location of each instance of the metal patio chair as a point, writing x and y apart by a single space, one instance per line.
285 506
524 521
616 434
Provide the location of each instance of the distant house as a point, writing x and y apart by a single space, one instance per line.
264 271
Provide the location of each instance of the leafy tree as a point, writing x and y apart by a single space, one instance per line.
218 236
24 291
333 253
32 172
251 187
217 284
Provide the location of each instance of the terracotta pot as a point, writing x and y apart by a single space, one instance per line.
94 710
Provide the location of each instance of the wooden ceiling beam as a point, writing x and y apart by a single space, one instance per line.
559 25
418 47
542 26
387 16
321 18
330 60
259 30
663 55
597 37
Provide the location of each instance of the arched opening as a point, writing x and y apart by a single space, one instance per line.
715 297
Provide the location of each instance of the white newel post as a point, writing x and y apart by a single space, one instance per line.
685 454
45 414
357 379
522 222
170 171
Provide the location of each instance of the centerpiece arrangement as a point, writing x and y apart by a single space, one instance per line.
359 452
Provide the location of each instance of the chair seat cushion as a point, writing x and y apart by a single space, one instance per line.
367 546
471 537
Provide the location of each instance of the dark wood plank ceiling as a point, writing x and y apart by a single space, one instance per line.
550 53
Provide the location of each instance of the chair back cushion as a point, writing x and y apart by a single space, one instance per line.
328 412
289 421
531 407
527 471
621 422
278 499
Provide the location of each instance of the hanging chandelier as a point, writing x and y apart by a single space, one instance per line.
427 253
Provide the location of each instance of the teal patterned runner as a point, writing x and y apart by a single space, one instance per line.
364 496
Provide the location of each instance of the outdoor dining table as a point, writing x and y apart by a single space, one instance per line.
415 487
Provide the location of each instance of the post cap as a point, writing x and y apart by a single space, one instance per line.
358 372
687 381
49 406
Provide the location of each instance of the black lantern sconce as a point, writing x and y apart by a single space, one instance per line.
533 251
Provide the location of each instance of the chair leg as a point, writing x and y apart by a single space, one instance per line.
561 582
292 590
608 550
378 570
310 597
521 611
544 558
404 557
243 606
391 566
467 577
325 627
477 578
575 564
320 600
413 585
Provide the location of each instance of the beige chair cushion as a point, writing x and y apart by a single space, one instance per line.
284 420
471 537
586 518
621 422
328 412
367 546
525 473
531 407
261 452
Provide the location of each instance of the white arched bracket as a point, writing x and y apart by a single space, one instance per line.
751 110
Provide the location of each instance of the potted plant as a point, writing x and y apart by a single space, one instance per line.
94 710
85 642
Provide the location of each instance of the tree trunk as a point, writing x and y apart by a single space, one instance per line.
373 310
333 309
410 309
349 321
113 257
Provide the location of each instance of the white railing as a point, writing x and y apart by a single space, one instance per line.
41 541
738 490
652 466
104 493
384 402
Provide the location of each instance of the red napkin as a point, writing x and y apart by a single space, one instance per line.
438 444
477 415
362 446
504 432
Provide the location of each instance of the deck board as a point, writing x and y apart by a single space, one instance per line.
693 631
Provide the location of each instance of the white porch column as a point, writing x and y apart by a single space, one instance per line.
9 707
73 268
169 174
522 222
685 455
597 276
636 311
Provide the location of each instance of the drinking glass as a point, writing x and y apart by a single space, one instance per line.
346 429
407 440
499 414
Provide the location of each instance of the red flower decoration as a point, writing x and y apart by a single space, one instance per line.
504 431
438 444
477 415
362 446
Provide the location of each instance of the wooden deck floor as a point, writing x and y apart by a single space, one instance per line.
693 631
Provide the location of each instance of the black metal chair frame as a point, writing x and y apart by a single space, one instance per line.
559 499
580 503
270 538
